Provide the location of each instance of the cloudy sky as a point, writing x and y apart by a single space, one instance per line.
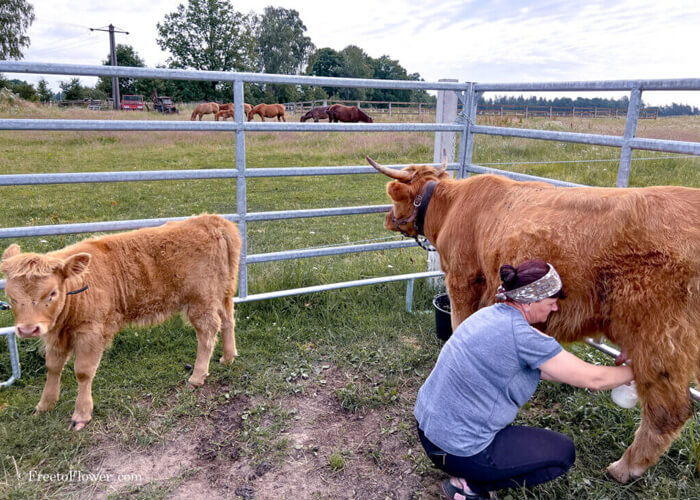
470 40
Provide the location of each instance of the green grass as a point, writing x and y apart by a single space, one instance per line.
361 337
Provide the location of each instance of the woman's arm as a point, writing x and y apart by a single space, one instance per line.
567 368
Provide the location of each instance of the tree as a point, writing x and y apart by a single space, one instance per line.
283 48
71 90
24 90
208 35
356 64
15 18
126 56
326 62
43 90
282 44
386 68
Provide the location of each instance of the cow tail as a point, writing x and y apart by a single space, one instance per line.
233 248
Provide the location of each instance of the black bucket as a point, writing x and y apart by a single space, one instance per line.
443 321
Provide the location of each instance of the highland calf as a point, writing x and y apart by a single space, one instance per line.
76 299
629 260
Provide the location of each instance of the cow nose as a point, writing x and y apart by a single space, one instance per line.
28 330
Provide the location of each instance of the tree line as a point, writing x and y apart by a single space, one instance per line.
582 102
211 35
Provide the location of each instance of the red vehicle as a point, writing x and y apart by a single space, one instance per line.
132 102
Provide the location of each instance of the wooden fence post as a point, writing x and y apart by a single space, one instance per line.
446 112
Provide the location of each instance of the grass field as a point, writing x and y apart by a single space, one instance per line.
319 402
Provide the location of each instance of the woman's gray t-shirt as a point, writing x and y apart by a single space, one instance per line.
485 372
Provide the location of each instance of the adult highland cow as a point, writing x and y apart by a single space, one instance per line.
78 298
629 260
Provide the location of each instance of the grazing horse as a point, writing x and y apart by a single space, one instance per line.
320 113
340 113
204 108
268 111
226 111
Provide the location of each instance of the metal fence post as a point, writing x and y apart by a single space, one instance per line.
14 356
623 171
466 143
241 202
446 112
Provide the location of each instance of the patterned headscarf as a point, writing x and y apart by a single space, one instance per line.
543 288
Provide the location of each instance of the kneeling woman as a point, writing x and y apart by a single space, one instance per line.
486 371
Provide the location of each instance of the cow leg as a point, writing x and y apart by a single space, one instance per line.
55 361
666 407
207 323
464 300
228 334
87 359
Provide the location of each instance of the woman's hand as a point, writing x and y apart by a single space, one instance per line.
567 368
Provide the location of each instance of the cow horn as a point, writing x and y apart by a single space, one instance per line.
399 175
443 167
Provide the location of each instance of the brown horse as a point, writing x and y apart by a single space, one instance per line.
340 113
226 111
317 114
268 111
204 108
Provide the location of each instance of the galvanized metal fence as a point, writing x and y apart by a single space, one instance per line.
463 124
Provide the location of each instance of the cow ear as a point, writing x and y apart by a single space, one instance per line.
398 191
11 251
76 264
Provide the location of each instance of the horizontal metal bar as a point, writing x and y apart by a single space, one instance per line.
680 147
315 212
327 251
611 351
478 169
219 76
336 286
171 175
223 126
549 135
89 227
611 85
125 225
355 169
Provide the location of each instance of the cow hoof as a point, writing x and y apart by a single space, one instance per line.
76 425
619 471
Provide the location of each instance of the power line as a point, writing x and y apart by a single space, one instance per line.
113 61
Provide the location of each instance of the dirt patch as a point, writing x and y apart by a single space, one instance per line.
329 453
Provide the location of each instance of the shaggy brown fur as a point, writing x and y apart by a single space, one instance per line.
268 111
205 108
629 260
139 277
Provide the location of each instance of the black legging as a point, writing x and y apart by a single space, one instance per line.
517 456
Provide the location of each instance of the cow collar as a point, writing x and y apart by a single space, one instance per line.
4 306
417 215
79 290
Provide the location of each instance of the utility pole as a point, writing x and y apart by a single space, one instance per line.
113 62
